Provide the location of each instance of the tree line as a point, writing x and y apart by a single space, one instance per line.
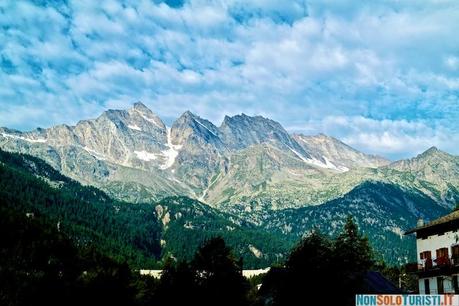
41 266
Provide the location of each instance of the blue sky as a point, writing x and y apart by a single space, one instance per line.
383 76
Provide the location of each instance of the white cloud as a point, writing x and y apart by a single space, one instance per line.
452 62
299 62
391 138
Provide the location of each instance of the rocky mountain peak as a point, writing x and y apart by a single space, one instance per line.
141 112
241 131
188 114
433 165
197 124
139 106
430 151
114 115
192 129
433 154
250 120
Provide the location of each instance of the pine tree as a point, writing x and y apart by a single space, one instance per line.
219 275
352 250
177 285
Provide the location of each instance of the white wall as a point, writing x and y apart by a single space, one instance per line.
447 285
432 243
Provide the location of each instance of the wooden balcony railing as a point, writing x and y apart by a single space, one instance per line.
438 262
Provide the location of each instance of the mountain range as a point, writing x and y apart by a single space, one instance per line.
249 170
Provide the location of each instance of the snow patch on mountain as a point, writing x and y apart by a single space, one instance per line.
299 155
134 127
95 153
171 153
328 164
146 156
201 124
34 140
152 120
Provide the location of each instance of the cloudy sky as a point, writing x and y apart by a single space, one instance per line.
383 76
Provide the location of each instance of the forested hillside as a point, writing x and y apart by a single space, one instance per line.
383 212
144 234
89 217
41 266
188 223
141 234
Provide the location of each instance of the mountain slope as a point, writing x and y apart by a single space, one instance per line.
141 234
248 161
87 215
175 226
201 150
439 171
118 151
187 223
383 212
264 174
337 153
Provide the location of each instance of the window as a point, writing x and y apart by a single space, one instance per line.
442 257
443 252
455 284
440 289
455 255
426 286
426 259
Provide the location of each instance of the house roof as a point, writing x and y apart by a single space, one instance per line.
442 220
375 283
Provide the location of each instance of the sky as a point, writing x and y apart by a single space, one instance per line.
382 76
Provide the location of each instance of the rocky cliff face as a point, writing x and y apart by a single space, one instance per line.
337 154
252 162
242 131
202 152
121 150
437 171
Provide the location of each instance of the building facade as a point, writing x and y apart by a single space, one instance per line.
437 246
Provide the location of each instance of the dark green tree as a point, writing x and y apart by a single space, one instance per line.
306 274
40 266
352 258
318 266
177 284
104 281
219 275
352 250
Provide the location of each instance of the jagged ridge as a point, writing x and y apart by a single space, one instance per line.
248 161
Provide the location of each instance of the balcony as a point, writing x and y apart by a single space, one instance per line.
442 264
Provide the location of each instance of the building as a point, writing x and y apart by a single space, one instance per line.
437 244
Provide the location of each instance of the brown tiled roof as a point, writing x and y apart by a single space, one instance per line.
445 219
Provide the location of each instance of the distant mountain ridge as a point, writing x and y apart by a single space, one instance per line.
250 162
248 179
345 157
173 227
